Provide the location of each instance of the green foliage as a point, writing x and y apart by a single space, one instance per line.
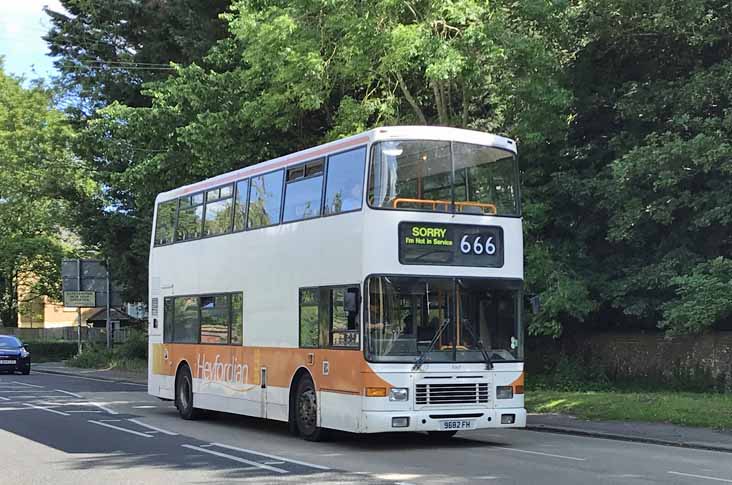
130 355
570 374
37 171
51 351
621 110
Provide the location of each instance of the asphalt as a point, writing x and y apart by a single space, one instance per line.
653 433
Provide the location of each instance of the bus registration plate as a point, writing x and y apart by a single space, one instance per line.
453 424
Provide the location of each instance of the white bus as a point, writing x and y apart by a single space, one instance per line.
370 284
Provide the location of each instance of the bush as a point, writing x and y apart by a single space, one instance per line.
570 374
51 351
129 355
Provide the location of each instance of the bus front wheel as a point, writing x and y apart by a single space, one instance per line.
184 394
306 410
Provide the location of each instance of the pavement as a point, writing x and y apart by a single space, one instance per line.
655 433
82 429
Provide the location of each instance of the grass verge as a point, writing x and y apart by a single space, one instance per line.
688 409
130 356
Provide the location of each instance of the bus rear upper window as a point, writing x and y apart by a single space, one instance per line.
265 200
165 222
344 187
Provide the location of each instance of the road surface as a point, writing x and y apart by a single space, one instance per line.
78 430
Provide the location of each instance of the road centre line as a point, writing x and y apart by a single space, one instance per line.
45 409
140 423
119 428
100 406
235 458
274 457
26 384
91 379
574 458
70 393
4 399
704 477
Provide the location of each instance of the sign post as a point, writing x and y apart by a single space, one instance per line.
87 284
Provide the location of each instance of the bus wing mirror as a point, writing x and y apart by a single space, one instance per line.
535 302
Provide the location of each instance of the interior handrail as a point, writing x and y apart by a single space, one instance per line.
436 202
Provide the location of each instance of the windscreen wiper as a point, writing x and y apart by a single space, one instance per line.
420 360
469 327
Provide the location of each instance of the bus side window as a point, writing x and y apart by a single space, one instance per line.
309 317
165 222
237 318
344 185
168 317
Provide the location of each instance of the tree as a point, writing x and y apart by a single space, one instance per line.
37 169
293 74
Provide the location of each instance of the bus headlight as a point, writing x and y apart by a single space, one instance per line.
398 394
504 392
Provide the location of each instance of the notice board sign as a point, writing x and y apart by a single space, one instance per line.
429 243
83 299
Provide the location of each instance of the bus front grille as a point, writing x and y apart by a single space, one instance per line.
475 393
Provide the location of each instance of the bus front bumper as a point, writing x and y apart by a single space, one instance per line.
442 420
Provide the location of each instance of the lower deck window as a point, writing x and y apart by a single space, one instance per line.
329 317
206 319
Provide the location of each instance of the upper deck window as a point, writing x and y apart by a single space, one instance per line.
344 186
190 217
219 204
442 176
165 222
265 200
304 191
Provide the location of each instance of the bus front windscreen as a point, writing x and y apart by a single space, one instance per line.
443 176
442 320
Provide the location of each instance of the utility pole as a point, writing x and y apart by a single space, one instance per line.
78 309
109 307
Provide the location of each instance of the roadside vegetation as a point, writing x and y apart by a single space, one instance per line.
128 356
585 391
51 351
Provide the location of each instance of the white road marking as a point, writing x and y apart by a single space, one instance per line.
26 384
21 391
125 383
45 409
100 406
70 393
704 477
144 407
137 433
235 458
574 458
111 420
274 457
140 423
84 411
4 399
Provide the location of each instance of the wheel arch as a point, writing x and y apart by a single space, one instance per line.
300 372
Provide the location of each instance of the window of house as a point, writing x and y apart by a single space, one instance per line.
265 200
344 184
304 191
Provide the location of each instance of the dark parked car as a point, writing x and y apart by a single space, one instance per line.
14 356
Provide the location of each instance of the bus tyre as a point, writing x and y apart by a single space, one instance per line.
440 435
184 394
306 410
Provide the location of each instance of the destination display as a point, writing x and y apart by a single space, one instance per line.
450 244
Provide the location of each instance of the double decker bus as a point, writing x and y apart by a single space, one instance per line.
370 284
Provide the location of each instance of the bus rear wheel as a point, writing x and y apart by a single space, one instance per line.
306 411
184 394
